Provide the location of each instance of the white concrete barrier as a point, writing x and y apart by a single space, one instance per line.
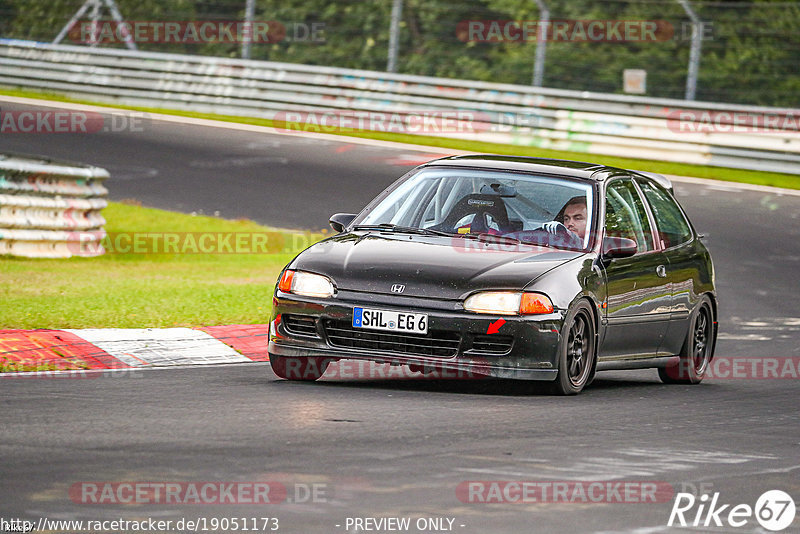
704 133
50 209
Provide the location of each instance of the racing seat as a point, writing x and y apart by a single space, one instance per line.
481 206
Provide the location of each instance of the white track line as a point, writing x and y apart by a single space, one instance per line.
160 347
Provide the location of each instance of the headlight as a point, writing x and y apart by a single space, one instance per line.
508 303
306 284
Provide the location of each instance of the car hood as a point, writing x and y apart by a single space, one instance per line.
427 266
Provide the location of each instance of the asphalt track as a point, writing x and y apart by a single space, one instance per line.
395 447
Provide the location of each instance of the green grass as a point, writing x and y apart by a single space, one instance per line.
682 169
134 290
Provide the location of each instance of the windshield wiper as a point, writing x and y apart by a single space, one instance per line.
491 238
389 227
503 239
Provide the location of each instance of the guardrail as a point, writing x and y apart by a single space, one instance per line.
50 209
725 135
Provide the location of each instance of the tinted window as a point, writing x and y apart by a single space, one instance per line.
672 226
626 215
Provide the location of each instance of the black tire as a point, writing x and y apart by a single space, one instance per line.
697 351
305 369
577 351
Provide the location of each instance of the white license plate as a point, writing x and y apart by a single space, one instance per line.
410 323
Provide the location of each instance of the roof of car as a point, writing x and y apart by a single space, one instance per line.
578 169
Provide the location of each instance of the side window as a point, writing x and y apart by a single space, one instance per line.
672 226
626 216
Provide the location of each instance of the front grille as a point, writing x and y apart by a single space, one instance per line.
491 344
301 325
436 343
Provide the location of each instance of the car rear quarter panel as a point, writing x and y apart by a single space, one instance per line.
691 272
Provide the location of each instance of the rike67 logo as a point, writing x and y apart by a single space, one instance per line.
774 510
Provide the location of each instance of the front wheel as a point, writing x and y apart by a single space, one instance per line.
306 369
697 351
576 352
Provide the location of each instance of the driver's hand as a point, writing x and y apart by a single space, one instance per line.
552 227
559 231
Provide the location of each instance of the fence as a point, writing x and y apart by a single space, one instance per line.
703 133
48 207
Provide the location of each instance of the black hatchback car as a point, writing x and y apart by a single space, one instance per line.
507 267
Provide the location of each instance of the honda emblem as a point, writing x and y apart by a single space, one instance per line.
398 288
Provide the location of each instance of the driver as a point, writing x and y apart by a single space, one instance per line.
574 215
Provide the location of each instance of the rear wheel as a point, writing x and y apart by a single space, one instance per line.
576 353
291 368
697 349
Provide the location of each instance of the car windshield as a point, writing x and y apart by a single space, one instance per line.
531 209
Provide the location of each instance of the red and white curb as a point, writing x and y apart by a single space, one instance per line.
120 348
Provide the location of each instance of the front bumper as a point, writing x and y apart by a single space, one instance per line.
524 348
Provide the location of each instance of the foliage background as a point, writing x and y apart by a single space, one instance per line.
750 57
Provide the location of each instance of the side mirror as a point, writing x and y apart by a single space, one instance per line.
619 247
340 221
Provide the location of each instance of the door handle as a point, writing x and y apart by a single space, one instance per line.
661 271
